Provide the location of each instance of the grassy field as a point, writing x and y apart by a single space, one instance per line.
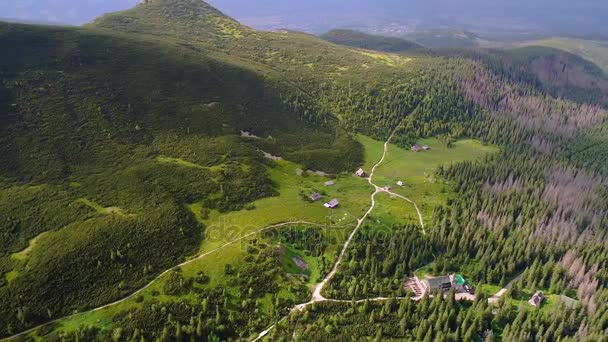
291 205
489 290
352 192
391 211
313 272
222 228
423 272
417 170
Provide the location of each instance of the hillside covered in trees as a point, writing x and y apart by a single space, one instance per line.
123 144
370 42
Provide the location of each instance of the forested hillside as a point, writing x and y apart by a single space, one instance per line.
125 144
370 42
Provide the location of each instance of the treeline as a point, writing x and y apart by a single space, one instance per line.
431 319
561 323
545 70
89 255
250 296
424 101
378 261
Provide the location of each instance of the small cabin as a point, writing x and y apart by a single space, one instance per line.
388 188
315 197
330 183
400 183
537 299
333 204
416 148
361 173
426 147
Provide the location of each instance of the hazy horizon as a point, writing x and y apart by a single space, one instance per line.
585 17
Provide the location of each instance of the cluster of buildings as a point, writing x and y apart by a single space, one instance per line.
441 285
334 203
460 286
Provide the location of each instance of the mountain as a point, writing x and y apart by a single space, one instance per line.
563 74
61 11
553 71
370 42
380 17
444 38
595 51
88 118
316 16
30 22
157 167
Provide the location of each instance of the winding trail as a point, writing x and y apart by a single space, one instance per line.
316 295
187 262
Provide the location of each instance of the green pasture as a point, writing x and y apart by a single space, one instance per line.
417 170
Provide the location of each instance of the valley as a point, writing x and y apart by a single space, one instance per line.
227 234
167 173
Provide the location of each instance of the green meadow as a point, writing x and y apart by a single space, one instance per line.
292 205
417 170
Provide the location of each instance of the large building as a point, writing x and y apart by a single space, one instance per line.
444 283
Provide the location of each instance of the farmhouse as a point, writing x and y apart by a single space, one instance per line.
537 299
416 148
316 196
330 183
361 173
333 204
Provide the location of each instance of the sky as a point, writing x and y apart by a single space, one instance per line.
574 17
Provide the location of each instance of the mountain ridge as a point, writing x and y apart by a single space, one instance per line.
370 42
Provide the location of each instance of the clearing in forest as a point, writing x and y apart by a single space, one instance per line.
417 170
103 210
227 234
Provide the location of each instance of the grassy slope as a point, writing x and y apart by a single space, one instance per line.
370 42
91 121
152 120
417 170
288 206
593 51
265 68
